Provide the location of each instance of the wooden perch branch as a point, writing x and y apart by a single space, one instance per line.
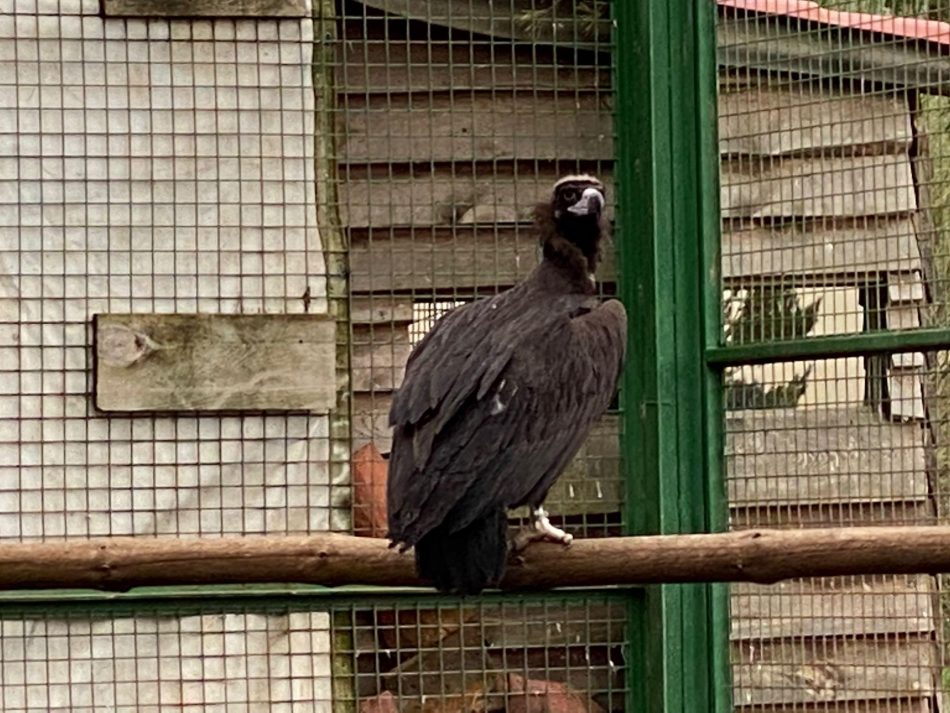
335 560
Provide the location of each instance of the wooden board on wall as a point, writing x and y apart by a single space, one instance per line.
204 362
392 65
814 187
817 670
818 251
470 257
763 121
486 126
833 606
817 187
801 456
906 703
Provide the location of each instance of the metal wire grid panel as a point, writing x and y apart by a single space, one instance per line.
452 120
153 166
834 168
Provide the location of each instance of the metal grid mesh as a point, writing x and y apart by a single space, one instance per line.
123 660
452 122
833 135
557 654
233 166
150 166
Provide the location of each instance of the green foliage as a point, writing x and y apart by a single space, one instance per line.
766 313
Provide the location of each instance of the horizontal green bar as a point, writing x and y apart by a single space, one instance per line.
839 345
188 600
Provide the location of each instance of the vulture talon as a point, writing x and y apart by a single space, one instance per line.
545 530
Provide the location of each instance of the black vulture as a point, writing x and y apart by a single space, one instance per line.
499 396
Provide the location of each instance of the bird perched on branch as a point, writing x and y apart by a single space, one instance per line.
499 396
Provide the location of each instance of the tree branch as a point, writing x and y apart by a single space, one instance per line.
335 560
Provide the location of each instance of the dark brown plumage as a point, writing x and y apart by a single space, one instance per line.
499 396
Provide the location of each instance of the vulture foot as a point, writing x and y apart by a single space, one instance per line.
547 531
539 530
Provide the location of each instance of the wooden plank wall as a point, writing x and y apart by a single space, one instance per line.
445 146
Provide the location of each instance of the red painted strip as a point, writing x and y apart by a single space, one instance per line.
903 27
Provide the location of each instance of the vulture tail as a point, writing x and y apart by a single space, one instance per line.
467 561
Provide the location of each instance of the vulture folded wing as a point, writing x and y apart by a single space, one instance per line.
494 417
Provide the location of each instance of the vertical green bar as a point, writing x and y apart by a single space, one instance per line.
667 184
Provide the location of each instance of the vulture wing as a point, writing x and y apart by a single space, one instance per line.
496 401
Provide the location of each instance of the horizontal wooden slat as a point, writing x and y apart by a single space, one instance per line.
378 366
377 309
833 607
822 456
907 704
818 187
204 362
478 127
840 54
903 315
459 258
444 197
466 257
205 8
809 119
392 65
813 671
903 288
906 395
918 511
847 252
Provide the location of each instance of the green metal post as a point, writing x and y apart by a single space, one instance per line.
667 186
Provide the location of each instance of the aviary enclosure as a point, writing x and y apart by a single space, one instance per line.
223 226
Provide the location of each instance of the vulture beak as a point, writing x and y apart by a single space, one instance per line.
591 201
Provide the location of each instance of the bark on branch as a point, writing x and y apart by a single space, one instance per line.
335 560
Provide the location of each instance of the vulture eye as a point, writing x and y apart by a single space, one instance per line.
570 195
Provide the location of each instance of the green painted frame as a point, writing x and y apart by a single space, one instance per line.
668 199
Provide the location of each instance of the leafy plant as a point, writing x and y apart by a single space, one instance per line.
765 313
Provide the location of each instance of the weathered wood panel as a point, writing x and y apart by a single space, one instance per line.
776 122
833 607
459 258
478 127
903 288
205 8
905 704
378 367
917 511
814 671
447 197
391 65
381 309
816 251
839 54
817 187
467 257
813 456
904 315
906 394
192 362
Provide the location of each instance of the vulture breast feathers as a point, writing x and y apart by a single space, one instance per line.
497 399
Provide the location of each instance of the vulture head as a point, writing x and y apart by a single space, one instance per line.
572 223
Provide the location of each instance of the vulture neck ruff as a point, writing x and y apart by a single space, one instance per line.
571 245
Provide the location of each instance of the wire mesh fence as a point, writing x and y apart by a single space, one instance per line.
380 162
834 172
